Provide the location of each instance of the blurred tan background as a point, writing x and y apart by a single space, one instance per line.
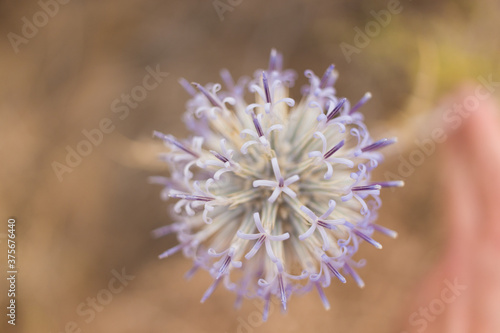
73 233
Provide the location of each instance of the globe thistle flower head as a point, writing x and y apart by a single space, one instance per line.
273 197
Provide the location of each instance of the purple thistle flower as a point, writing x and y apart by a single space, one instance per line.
276 191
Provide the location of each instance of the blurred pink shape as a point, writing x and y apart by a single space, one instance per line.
470 174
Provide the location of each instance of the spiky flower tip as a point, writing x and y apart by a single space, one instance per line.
273 197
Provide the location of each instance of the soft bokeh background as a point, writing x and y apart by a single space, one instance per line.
72 234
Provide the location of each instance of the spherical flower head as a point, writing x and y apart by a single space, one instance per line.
273 197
